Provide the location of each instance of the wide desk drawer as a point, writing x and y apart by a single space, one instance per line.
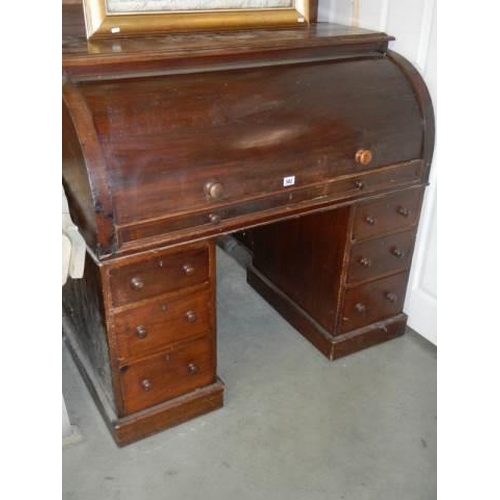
219 216
159 273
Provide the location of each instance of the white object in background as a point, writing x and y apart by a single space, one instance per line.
73 245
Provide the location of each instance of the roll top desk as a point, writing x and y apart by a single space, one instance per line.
315 142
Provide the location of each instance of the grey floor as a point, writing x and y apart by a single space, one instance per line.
294 426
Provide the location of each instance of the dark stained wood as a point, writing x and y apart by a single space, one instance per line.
288 203
247 142
158 273
76 182
313 11
172 140
85 160
184 51
303 257
168 374
425 104
160 322
386 214
167 414
128 429
372 302
369 336
331 346
84 323
373 259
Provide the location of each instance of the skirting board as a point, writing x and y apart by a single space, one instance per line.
331 346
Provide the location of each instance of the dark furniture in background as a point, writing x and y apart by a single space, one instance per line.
317 142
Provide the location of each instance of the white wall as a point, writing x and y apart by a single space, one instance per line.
66 425
414 24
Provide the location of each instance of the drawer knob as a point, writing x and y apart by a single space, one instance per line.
141 331
192 369
214 218
214 190
137 283
188 269
146 384
190 316
403 211
359 184
359 308
370 220
365 261
391 297
397 252
363 156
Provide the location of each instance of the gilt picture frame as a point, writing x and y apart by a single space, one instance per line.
114 18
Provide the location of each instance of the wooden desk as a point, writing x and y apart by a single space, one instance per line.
316 142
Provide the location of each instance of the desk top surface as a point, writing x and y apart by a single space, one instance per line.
79 54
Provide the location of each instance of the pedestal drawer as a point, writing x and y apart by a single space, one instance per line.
373 301
161 322
375 258
167 375
387 214
159 273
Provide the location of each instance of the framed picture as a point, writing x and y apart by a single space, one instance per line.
110 18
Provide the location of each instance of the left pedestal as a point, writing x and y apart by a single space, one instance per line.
142 332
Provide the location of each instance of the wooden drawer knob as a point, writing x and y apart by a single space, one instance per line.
359 308
363 156
365 262
391 297
403 211
188 269
190 316
146 384
192 369
214 190
397 252
137 283
141 331
214 218
370 220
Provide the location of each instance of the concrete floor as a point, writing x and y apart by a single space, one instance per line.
294 426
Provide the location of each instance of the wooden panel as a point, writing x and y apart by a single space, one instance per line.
332 346
84 322
374 258
163 146
167 375
175 411
160 322
387 214
303 257
220 215
372 302
158 273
